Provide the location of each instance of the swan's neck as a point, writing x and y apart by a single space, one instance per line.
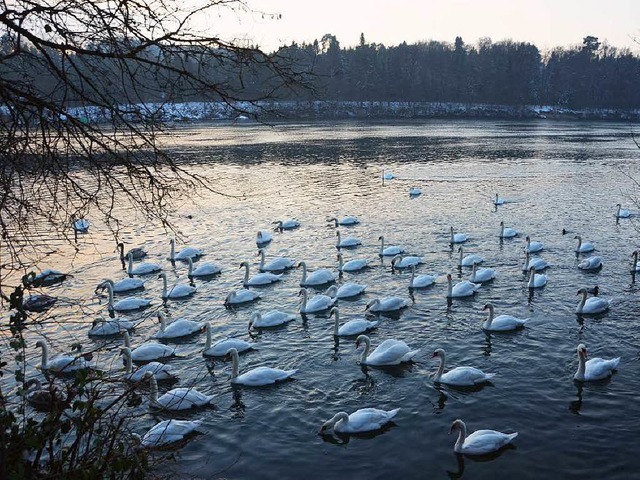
128 362
163 321
164 286
45 355
619 208
502 225
460 258
473 272
336 323
490 317
581 367
121 248
130 266
303 306
365 352
462 434
579 243
190 273
235 364
440 368
153 389
340 263
413 276
452 237
207 344
635 258
449 287
172 255
304 272
127 340
583 300
110 290
338 235
246 274
532 278
341 417
261 259
381 245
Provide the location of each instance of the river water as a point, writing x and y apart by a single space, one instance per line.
557 175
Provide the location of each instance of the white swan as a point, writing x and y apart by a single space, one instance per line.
479 442
241 296
635 266
482 275
622 212
203 269
390 251
80 225
360 421
257 377
415 191
317 303
387 304
533 247
346 242
45 278
352 327
459 376
179 290
106 328
501 323
318 277
45 398
458 237
124 285
186 252
399 261
594 369
136 252
276 265
389 352
461 289
161 371
421 281
183 398
344 221
222 347
272 318
289 224
469 260
38 303
585 247
142 268
148 351
498 200
388 175
590 263
259 279
536 280
592 305
507 232
126 304
62 363
346 290
537 264
352 265
180 327
168 431
263 237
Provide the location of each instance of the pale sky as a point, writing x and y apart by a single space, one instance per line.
546 23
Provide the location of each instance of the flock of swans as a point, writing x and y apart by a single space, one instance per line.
320 293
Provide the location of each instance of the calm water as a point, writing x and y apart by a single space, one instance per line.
558 175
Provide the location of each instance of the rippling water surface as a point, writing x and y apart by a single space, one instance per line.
557 175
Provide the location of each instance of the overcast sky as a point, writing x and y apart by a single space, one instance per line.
546 23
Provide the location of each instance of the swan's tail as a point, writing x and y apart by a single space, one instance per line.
392 413
409 355
512 436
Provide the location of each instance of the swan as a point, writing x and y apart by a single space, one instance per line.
622 212
203 269
501 323
126 304
241 296
44 279
595 368
160 370
222 347
38 303
389 352
319 277
388 176
507 232
401 262
272 318
276 265
317 303
469 260
461 289
479 442
179 290
352 327
458 237
168 431
387 304
106 328
536 280
585 247
590 263
482 275
180 327
183 398
498 200
124 285
61 364
142 268
346 290
459 376
186 252
360 421
148 351
259 279
415 191
351 265
390 251
263 237
421 281
80 225
537 264
46 399
259 376
592 305
137 252
344 221
635 267
347 242
289 224
533 247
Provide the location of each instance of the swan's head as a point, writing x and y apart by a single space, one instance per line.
332 291
260 252
229 298
502 223
451 228
457 424
438 353
449 277
582 350
333 311
618 205
147 376
381 237
163 276
582 291
41 344
243 264
487 306
395 260
577 237
361 339
230 354
371 304
301 264
252 320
